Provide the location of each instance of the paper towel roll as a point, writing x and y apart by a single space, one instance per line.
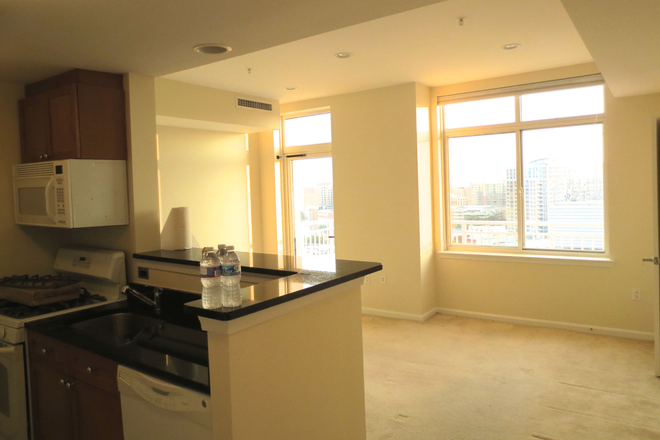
176 234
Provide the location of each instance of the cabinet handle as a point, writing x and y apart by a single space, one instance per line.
44 351
45 156
41 156
62 382
69 385
89 370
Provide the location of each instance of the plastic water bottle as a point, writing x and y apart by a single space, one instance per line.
222 251
212 297
230 279
209 267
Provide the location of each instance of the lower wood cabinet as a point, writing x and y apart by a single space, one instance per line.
74 393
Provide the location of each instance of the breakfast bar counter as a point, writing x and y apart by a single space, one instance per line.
288 363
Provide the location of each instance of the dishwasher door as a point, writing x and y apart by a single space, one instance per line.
159 410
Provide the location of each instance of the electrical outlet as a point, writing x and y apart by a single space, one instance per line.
366 279
382 279
637 294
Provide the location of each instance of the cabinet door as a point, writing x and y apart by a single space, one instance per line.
51 403
63 123
102 122
35 137
97 414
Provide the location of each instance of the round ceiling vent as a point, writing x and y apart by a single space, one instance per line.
212 49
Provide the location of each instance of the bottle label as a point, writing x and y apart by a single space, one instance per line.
209 272
229 270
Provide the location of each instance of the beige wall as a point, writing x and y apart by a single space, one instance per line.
425 194
207 172
376 192
591 296
25 249
268 191
202 134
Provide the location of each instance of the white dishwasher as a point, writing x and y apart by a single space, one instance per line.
159 410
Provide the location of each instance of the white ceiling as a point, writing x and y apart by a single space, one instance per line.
426 45
292 42
624 39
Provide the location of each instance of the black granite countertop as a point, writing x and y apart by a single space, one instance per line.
295 281
175 351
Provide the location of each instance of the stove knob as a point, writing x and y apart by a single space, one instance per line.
3 332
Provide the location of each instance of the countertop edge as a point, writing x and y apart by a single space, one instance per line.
224 314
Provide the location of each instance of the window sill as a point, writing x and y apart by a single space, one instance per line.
534 259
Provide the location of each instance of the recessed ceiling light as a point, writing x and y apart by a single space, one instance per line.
343 55
290 89
510 46
211 49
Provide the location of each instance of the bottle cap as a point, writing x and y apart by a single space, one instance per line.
230 248
220 246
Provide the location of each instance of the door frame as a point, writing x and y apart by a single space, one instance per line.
288 233
656 245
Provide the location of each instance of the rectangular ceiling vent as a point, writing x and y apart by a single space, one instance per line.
256 105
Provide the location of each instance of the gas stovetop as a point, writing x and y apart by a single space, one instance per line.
15 310
87 278
36 281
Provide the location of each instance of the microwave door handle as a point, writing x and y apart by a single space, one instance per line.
49 211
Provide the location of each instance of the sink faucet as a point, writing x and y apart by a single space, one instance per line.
155 303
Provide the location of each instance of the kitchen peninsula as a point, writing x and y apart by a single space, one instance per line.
288 363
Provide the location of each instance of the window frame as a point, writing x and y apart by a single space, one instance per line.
307 148
284 158
516 127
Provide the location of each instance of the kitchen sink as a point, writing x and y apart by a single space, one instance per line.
146 342
122 328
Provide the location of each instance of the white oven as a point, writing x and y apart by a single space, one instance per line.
13 401
101 272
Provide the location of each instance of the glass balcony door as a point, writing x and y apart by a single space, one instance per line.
311 211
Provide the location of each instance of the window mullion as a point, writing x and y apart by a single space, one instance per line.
521 190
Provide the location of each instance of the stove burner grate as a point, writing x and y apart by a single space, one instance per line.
19 311
36 281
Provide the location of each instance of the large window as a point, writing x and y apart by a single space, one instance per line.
524 170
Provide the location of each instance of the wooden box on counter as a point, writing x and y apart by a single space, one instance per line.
79 114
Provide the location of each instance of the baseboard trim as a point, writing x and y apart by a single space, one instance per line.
398 315
607 331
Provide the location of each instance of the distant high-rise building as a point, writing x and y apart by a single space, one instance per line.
320 195
326 195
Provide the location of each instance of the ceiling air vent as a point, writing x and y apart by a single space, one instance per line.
256 105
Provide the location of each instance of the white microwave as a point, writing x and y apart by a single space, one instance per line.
73 193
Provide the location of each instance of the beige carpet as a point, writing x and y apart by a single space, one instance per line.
461 378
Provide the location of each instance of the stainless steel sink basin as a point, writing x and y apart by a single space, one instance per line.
149 342
121 328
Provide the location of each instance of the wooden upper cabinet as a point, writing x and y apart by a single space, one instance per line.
77 115
33 114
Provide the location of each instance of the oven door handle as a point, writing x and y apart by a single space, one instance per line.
9 352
